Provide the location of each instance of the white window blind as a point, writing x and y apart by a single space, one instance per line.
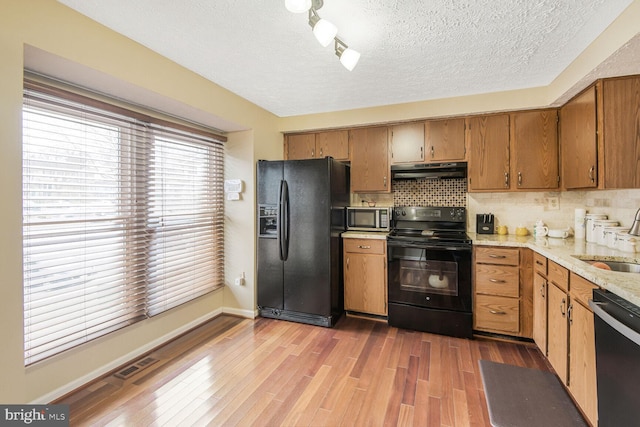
122 219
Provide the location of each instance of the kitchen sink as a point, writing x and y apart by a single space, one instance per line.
626 267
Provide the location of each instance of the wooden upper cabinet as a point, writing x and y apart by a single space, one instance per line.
318 145
333 144
370 160
578 141
534 150
488 141
301 146
407 143
444 140
621 132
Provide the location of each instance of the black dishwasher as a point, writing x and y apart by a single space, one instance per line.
617 331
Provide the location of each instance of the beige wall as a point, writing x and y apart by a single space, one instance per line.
57 30
60 32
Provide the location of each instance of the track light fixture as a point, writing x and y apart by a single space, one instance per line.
348 57
297 6
324 31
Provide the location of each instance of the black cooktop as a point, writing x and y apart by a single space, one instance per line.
429 224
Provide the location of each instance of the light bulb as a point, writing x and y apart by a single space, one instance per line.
349 58
324 31
297 6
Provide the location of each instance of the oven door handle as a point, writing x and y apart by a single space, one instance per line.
396 244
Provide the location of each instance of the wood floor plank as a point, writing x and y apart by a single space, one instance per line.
267 372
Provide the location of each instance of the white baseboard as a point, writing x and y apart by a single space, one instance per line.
249 314
133 355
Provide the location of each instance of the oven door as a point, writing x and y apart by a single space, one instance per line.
425 275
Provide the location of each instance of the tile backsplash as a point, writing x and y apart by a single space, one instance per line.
556 209
422 192
514 209
430 192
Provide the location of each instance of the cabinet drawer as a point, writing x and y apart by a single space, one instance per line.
558 275
497 280
503 256
581 289
496 313
540 264
365 246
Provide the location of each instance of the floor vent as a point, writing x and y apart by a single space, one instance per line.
133 369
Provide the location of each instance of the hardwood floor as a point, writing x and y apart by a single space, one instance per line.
265 372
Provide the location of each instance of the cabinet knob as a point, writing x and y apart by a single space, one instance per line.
519 178
432 152
562 305
506 179
497 281
496 256
364 247
500 313
592 176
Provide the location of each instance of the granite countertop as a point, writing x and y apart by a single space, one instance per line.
564 252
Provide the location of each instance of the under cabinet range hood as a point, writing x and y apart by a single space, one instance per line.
429 171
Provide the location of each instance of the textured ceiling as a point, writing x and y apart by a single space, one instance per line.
411 50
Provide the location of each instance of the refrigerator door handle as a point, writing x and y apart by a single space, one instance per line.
284 202
279 220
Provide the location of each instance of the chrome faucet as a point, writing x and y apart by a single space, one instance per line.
635 228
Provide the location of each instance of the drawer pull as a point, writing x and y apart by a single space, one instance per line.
497 281
539 262
501 313
364 247
497 256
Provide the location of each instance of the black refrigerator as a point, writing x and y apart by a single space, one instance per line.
301 215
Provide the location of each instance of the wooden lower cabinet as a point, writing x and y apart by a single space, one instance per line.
540 291
582 350
570 336
502 301
557 342
365 276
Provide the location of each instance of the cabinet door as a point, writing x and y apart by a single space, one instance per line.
488 152
369 160
534 149
578 141
365 287
557 338
621 111
540 312
582 360
407 143
302 146
444 140
334 144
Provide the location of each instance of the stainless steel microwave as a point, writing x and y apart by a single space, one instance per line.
368 219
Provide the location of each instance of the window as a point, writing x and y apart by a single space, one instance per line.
122 218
